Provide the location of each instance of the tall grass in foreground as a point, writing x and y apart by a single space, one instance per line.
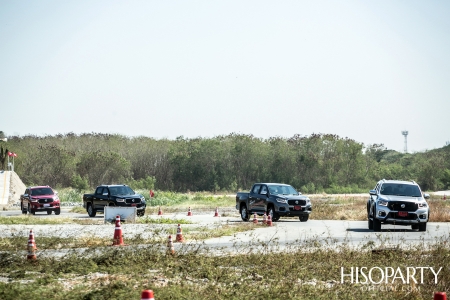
313 272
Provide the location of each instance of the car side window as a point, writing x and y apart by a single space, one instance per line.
98 191
263 190
256 188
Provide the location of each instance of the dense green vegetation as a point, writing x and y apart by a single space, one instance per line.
316 163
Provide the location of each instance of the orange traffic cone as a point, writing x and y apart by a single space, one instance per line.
189 212
160 211
179 237
216 213
170 249
31 247
264 219
255 219
440 296
147 295
269 221
118 237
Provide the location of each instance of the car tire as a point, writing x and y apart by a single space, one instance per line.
91 211
244 213
423 226
49 212
414 226
303 218
141 213
31 211
370 223
273 214
24 211
57 211
376 225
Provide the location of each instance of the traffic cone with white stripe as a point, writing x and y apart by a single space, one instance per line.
216 213
160 211
147 295
118 237
179 238
31 247
264 218
170 249
189 212
269 221
255 219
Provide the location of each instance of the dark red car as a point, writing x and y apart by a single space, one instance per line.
40 199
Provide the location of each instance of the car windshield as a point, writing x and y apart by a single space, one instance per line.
41 191
399 189
282 190
121 191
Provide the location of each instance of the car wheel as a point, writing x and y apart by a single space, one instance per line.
24 211
304 218
91 211
414 226
423 226
57 211
273 215
370 224
49 212
376 224
31 211
141 213
244 213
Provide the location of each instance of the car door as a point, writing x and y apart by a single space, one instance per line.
253 198
99 197
263 195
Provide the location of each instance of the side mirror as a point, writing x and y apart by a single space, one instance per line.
426 196
373 192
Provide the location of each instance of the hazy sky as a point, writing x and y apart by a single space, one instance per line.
360 69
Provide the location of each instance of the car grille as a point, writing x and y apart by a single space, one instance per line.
393 215
46 200
300 202
397 205
132 200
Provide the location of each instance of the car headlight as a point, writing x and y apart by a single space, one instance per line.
120 200
383 203
143 199
33 199
281 200
423 204
308 200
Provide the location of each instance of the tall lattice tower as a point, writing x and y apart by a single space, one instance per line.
405 134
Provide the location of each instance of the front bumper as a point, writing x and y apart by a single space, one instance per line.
387 216
293 210
36 206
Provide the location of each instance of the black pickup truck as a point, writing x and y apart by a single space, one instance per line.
113 195
275 199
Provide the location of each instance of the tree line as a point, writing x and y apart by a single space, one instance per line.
314 163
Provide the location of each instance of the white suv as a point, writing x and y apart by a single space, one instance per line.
397 202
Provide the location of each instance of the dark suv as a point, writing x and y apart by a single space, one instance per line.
397 202
40 199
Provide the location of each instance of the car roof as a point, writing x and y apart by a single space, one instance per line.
272 183
39 186
399 181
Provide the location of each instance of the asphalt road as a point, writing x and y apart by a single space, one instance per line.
285 234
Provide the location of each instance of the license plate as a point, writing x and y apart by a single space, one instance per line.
297 207
46 205
402 213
